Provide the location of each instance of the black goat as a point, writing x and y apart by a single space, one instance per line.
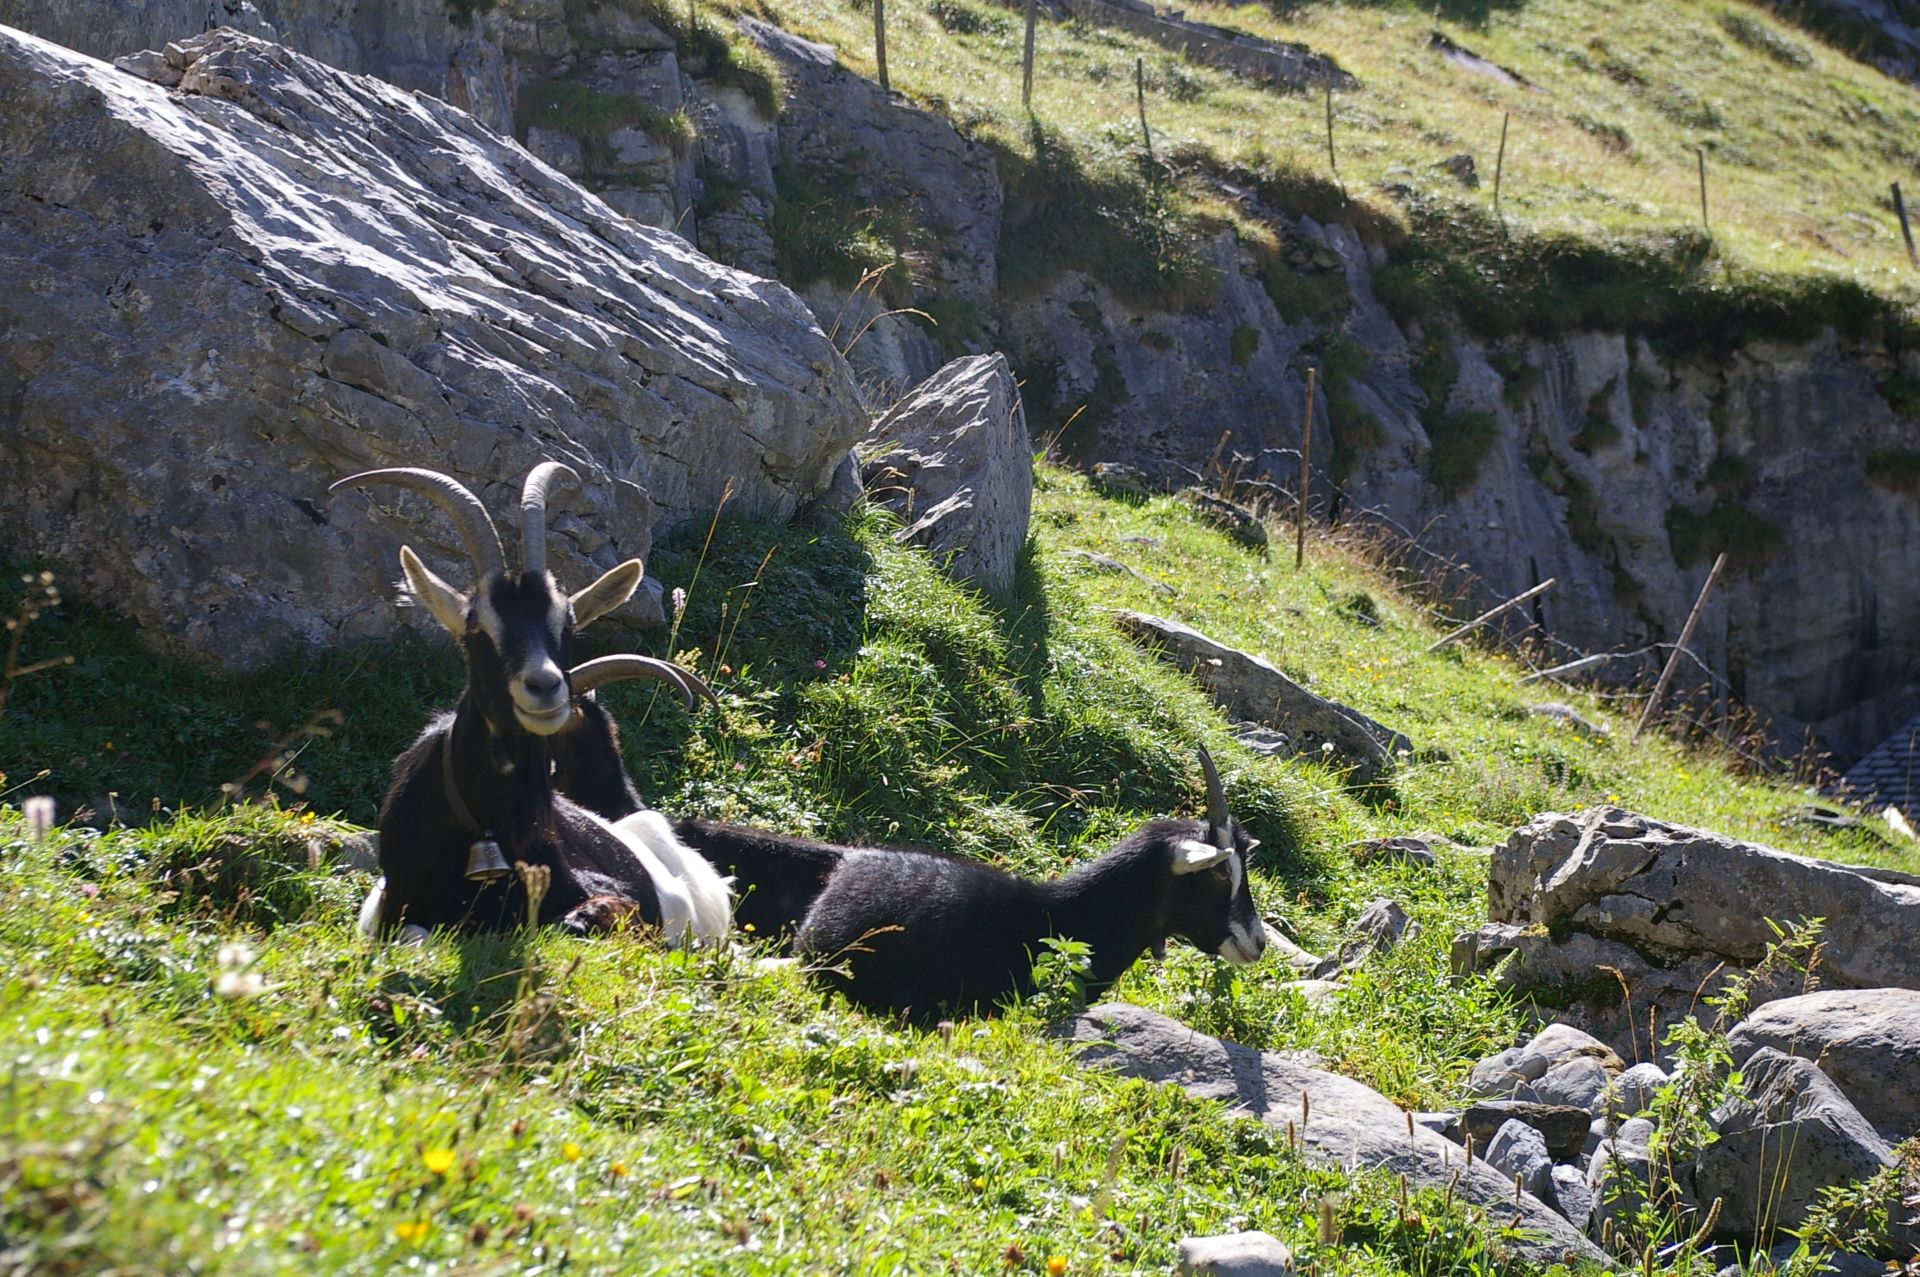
475 791
920 934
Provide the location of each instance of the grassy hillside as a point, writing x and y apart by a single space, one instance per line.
1609 101
306 1104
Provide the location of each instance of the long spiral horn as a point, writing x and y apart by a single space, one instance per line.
589 675
533 512
1219 826
469 517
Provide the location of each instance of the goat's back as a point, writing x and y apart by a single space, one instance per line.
776 877
921 934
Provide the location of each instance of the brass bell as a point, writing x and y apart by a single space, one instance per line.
484 861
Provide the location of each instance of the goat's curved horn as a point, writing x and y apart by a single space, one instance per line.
1219 823
469 517
533 512
589 675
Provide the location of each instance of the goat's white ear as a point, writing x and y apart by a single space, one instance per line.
1190 855
448 605
608 593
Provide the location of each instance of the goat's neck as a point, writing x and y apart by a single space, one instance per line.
503 778
1113 905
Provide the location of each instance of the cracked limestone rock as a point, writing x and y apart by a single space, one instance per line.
224 295
953 461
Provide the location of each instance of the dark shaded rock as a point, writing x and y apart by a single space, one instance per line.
1563 1127
1794 1135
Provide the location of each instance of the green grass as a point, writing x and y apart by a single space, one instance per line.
1748 539
502 1103
1897 469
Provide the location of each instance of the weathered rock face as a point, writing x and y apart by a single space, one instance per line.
1347 1124
224 296
1674 911
951 459
1601 446
416 44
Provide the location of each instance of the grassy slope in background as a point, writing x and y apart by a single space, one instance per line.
505 1102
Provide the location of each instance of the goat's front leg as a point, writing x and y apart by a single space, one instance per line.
601 915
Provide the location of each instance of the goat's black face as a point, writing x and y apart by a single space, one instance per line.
518 634
1209 905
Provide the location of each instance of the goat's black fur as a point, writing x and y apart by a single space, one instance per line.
587 766
921 934
776 877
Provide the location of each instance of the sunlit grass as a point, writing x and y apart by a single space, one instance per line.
1603 145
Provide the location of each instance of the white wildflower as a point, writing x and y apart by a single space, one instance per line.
679 601
39 814
234 956
239 985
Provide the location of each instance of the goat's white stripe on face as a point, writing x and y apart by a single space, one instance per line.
557 611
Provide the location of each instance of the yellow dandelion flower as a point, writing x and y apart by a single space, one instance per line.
618 1170
570 1151
411 1231
438 1160
1056 1265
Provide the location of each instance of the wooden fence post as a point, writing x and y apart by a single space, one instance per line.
1332 163
1906 230
1306 451
1499 164
1140 98
1026 61
1686 636
880 42
1701 156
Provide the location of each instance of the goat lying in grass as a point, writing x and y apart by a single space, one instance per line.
475 791
922 935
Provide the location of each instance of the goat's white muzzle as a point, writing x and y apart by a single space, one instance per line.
543 714
1241 949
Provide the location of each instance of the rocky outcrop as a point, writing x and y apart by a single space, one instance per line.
1673 910
1248 687
224 295
1338 1121
951 460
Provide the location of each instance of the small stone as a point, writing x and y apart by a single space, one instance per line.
1633 1091
1579 1082
1461 168
1571 1196
150 64
1499 1074
1250 1254
1558 1043
1518 1150
1570 718
1445 1125
1315 992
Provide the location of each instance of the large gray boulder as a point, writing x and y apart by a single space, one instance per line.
952 459
1793 1135
1866 1040
1249 687
1338 1121
1603 903
225 295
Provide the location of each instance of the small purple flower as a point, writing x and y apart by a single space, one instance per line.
819 664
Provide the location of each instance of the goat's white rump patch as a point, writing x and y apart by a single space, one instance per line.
696 904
